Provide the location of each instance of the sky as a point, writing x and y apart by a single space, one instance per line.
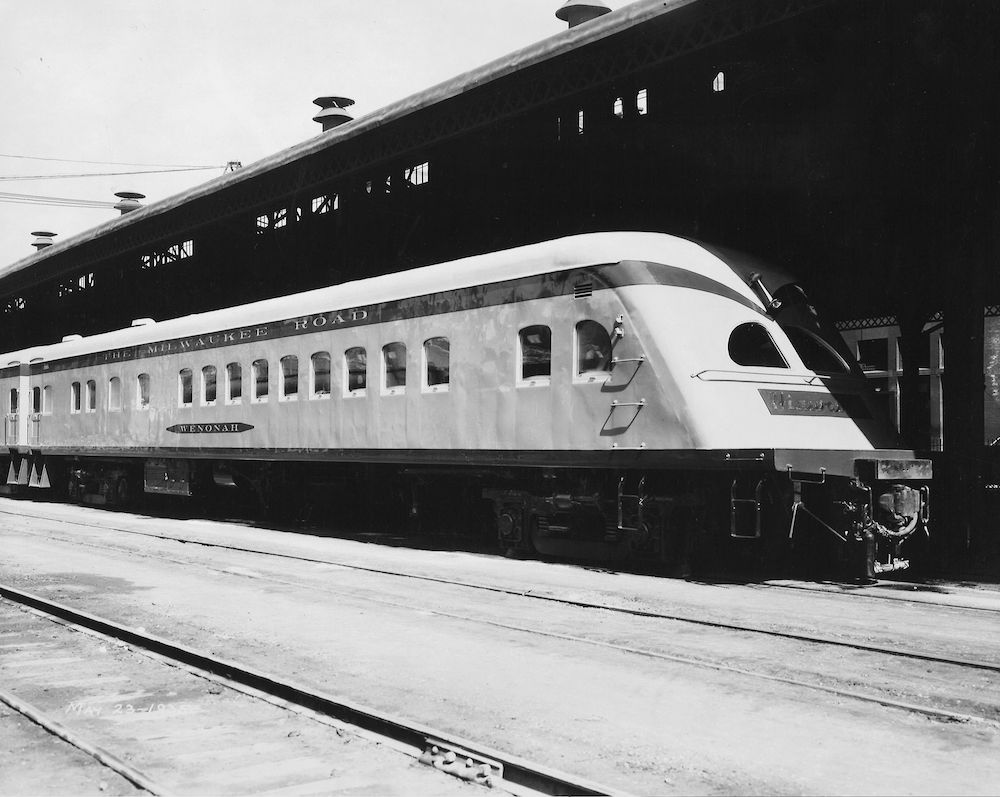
149 84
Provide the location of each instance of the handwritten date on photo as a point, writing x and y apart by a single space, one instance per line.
123 709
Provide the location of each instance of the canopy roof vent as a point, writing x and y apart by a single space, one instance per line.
42 239
128 201
576 12
333 114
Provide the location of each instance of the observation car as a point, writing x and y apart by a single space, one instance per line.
602 396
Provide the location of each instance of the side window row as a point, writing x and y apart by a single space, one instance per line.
592 353
437 375
259 382
83 395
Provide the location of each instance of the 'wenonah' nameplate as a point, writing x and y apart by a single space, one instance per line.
209 428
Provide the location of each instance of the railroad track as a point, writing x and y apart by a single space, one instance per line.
987 667
901 591
176 719
853 592
674 616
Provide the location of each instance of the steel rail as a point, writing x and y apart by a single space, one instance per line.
913 708
675 617
888 702
60 731
854 594
515 770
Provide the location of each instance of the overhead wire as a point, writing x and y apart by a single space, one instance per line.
108 163
52 201
105 174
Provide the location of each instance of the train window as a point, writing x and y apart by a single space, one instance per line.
209 385
74 397
319 375
356 365
751 345
260 379
142 392
593 350
234 383
816 354
12 404
36 399
186 387
394 368
47 400
289 377
91 395
437 359
535 344
114 394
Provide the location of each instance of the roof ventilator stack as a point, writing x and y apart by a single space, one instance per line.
42 239
128 201
333 114
576 12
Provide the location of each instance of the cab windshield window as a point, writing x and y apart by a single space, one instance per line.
815 354
751 345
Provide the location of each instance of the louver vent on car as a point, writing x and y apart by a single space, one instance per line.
582 290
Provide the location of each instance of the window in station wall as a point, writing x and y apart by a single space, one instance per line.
419 174
719 83
326 203
579 122
873 354
618 108
642 102
991 395
76 285
923 354
173 253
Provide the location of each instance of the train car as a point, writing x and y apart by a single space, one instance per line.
607 396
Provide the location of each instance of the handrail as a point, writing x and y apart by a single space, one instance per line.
718 375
